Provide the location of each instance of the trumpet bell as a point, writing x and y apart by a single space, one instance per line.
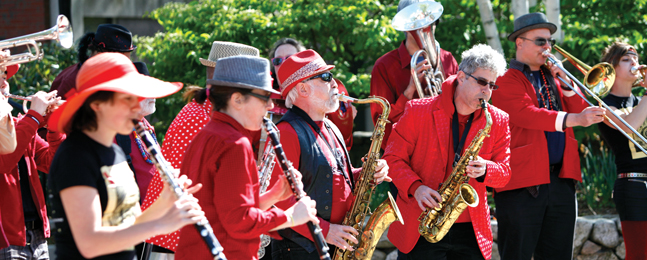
417 16
600 78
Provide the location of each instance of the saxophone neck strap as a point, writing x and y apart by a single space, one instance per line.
459 144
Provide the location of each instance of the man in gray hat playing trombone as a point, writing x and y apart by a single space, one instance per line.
536 210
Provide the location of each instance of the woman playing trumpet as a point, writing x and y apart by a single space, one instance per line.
630 189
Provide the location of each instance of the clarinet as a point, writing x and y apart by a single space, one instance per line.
166 171
286 166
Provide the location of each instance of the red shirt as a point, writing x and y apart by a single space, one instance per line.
184 127
65 81
390 77
342 197
418 152
38 155
221 158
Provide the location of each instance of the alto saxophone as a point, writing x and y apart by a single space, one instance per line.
456 193
371 231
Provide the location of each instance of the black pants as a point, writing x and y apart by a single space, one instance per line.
459 244
287 250
544 225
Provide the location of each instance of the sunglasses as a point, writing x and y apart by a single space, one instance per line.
326 76
278 60
484 83
261 97
540 41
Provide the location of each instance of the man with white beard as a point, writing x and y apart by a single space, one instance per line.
317 149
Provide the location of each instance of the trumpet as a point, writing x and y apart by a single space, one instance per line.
599 78
27 99
61 32
419 18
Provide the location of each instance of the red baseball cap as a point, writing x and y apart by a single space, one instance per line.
108 72
298 67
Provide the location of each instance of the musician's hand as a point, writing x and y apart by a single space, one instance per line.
381 172
555 70
411 88
476 168
303 211
338 234
282 188
588 116
182 212
167 196
426 197
41 101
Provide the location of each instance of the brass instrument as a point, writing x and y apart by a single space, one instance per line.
642 69
61 32
599 80
380 219
419 19
26 99
264 175
456 194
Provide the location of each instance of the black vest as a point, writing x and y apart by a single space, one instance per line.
315 170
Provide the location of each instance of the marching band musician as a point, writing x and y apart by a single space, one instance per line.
629 192
421 154
186 125
7 127
221 157
25 223
95 196
342 117
536 210
316 148
391 75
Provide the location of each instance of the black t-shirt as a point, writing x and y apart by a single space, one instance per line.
628 157
81 161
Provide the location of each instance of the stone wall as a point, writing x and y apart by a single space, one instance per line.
596 237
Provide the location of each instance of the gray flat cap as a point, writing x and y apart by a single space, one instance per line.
243 71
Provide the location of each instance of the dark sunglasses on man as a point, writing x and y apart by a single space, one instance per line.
326 76
278 60
540 41
484 82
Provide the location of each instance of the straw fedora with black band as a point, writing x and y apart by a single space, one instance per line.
529 22
225 49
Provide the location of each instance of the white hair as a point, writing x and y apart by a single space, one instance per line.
484 57
292 96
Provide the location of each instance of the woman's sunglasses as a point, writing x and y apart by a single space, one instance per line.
278 60
326 76
484 83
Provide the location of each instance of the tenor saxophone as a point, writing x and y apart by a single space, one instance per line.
370 231
456 194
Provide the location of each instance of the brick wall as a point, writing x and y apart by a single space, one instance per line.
20 17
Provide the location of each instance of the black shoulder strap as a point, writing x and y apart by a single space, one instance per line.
125 143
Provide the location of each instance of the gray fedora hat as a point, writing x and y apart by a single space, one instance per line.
529 22
243 71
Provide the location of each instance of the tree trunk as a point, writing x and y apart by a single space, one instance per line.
552 13
519 8
489 25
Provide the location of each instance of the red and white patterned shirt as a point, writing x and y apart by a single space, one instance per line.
184 127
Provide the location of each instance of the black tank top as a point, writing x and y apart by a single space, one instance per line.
628 157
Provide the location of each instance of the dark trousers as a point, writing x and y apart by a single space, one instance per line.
544 225
287 250
459 244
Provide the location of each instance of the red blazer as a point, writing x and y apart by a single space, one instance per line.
528 147
38 155
417 151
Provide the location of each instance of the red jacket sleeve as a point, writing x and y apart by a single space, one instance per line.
291 147
498 166
26 128
245 220
405 135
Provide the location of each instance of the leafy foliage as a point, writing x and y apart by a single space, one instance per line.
598 174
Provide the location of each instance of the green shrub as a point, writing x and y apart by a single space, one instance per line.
598 174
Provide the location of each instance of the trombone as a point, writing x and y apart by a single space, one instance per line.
419 18
61 32
598 78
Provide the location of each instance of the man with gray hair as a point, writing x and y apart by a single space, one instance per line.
427 143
